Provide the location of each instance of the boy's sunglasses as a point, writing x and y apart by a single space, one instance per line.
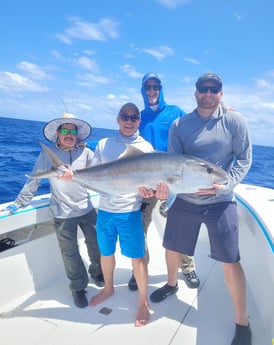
65 131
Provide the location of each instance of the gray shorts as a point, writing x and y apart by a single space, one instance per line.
184 220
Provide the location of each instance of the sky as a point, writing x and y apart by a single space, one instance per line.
88 57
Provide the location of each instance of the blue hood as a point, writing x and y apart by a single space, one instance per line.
148 115
161 100
155 125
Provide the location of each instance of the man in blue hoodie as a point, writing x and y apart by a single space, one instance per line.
157 117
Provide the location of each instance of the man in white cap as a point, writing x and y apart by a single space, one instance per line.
120 218
70 204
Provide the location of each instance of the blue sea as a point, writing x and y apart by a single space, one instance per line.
19 148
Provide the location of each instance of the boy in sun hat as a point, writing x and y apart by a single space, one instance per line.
70 204
51 128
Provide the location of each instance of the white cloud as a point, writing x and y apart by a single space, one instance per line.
130 71
80 29
270 73
160 53
111 96
87 63
92 80
193 61
173 3
238 16
14 82
89 52
56 54
187 80
32 69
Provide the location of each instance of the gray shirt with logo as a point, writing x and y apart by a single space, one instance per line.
222 139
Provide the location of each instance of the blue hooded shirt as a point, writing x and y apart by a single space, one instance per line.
155 125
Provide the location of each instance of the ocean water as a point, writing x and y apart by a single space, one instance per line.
19 148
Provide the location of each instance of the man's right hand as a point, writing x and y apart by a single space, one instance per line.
67 175
11 209
161 191
146 192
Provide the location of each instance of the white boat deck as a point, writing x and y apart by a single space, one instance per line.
45 314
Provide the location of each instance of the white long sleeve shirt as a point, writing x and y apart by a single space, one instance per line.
110 149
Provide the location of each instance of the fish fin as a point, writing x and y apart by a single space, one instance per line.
48 173
170 201
57 164
166 204
56 161
159 151
42 174
131 151
173 179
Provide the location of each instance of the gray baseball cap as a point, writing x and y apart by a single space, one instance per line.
213 77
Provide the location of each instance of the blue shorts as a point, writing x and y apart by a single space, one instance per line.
184 220
127 226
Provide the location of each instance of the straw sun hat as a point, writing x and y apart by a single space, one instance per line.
83 128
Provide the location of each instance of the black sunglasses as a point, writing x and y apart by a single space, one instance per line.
205 89
154 87
132 118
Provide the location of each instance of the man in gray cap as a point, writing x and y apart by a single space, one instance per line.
209 77
221 136
70 204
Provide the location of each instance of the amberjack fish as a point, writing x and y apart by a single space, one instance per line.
182 173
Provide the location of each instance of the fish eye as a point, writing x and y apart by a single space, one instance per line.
209 170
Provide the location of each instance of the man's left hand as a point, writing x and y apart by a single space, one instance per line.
210 191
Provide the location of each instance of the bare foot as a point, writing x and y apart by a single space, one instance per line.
143 315
101 296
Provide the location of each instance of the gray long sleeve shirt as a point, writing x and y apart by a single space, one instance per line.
223 139
68 199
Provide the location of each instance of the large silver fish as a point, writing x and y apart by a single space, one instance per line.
182 173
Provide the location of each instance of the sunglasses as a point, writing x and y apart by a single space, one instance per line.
205 89
132 118
154 87
65 131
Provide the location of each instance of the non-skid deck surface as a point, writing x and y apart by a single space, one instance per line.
191 317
